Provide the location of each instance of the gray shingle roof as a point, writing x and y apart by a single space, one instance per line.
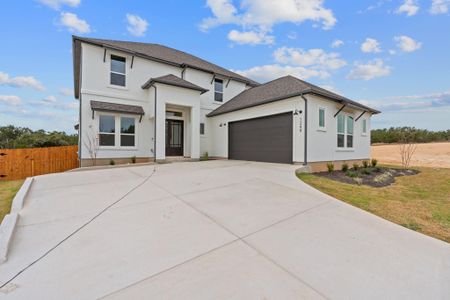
115 107
154 52
175 81
279 89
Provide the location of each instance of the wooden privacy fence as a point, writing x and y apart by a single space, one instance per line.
22 163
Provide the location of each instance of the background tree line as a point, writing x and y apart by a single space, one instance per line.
12 137
408 134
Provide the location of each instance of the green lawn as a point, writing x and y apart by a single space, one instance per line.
8 190
419 202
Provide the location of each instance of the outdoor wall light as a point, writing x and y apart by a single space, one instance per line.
297 112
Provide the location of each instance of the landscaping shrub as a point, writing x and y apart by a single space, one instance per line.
344 167
112 162
330 167
367 171
133 159
355 166
358 180
374 162
351 174
365 163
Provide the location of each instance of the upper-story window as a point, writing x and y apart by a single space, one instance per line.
118 70
218 90
364 126
322 118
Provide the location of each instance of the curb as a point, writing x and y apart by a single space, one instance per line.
6 232
19 199
8 225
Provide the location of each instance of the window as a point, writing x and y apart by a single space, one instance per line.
170 113
218 90
340 130
364 126
127 131
117 131
322 117
202 128
107 129
118 68
349 132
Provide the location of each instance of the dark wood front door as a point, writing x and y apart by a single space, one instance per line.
174 137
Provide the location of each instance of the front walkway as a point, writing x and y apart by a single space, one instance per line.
211 230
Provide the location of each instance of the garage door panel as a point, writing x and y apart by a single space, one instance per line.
267 139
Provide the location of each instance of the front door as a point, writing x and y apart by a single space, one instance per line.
174 137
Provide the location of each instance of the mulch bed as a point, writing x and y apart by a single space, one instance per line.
375 177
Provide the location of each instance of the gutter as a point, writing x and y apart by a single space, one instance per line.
305 151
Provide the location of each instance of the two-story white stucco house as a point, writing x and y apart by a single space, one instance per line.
153 102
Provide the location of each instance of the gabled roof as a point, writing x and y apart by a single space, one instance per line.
154 52
175 81
280 89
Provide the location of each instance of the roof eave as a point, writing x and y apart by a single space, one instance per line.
151 82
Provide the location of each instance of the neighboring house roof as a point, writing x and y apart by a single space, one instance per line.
279 89
175 81
115 107
153 52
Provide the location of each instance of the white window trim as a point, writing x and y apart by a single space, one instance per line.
117 132
345 148
204 129
222 92
111 71
322 128
362 127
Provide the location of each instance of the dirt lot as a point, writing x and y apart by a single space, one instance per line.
426 155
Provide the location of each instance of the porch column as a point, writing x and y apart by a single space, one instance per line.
160 129
195 131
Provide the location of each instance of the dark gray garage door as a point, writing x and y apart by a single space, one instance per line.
267 139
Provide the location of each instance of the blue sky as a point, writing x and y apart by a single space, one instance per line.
392 55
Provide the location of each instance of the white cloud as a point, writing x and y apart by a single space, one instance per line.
337 43
10 99
56 4
250 37
316 58
407 44
66 91
409 7
370 70
73 23
412 102
20 81
439 7
392 52
296 62
136 25
269 72
261 15
370 46
52 102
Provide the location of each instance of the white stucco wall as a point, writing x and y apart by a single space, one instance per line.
95 86
322 143
219 139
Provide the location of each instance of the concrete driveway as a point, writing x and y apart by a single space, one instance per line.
211 230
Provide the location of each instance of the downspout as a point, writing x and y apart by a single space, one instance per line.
80 143
154 134
305 159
